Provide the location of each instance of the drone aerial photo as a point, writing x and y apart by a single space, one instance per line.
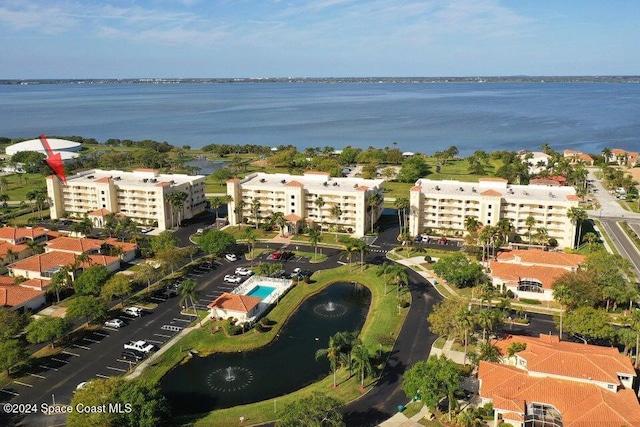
319 213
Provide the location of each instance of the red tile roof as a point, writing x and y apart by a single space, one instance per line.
13 295
294 184
362 188
491 193
581 404
547 354
45 261
14 233
235 302
514 272
81 245
104 180
37 284
537 256
15 249
292 217
573 198
100 212
415 188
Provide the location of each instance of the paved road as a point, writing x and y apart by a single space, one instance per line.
622 242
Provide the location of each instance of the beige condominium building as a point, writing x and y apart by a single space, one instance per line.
310 197
141 195
444 205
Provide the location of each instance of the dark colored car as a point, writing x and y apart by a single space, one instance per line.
286 256
132 355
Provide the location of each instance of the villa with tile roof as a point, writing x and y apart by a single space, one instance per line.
576 157
530 273
85 245
20 297
309 197
141 195
44 266
20 235
237 306
624 157
442 206
554 383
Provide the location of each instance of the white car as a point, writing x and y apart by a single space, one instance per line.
242 271
146 229
231 257
133 311
231 278
114 323
141 346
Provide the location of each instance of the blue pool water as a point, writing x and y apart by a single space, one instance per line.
261 291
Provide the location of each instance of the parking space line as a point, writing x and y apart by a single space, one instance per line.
102 376
24 384
156 341
109 328
90 340
60 360
38 376
116 369
182 320
162 335
9 392
100 334
128 362
81 346
70 354
48 367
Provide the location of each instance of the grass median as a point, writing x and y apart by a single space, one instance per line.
383 323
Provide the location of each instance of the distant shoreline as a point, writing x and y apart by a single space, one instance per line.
333 80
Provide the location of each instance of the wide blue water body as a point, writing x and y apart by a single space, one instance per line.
421 117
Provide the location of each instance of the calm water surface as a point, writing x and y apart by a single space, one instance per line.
419 117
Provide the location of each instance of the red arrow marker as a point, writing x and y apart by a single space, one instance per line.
54 160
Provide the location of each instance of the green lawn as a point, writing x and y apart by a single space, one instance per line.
383 320
19 184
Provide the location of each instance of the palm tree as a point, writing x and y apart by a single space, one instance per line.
216 203
471 224
465 319
319 202
251 236
399 276
178 202
255 210
362 362
577 216
590 239
336 213
239 208
373 202
60 280
333 354
189 293
606 152
402 204
487 321
542 236
314 237
4 198
530 222
36 247
349 248
362 249
278 219
485 235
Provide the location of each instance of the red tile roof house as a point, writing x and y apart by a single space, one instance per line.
560 384
18 235
22 297
85 245
44 266
530 273
240 307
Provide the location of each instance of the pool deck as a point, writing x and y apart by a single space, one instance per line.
281 286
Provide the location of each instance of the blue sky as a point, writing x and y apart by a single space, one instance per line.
324 38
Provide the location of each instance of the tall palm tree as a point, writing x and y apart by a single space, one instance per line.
332 352
255 210
238 209
465 319
336 213
383 270
251 236
170 199
577 216
314 238
362 249
399 276
542 236
60 281
188 293
606 152
319 202
349 249
484 237
373 203
530 222
216 203
402 204
179 200
362 362
279 221
35 247
471 224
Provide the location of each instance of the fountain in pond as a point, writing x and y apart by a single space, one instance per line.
230 375
229 379
330 309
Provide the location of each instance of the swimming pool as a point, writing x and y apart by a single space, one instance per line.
261 291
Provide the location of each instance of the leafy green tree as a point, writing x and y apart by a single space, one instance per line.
216 242
611 272
146 273
47 329
170 258
412 169
576 289
317 410
12 351
117 286
458 270
147 406
164 240
91 280
587 324
84 226
86 306
515 347
11 323
436 378
442 320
